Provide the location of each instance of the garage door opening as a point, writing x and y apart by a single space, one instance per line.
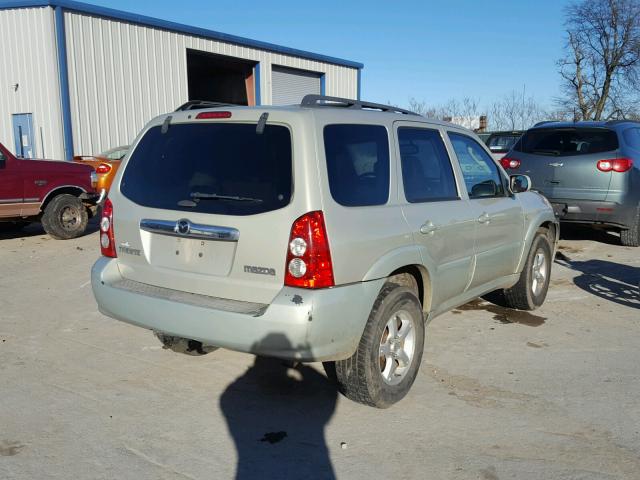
220 79
290 85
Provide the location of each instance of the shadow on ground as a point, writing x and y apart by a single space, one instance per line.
35 229
276 415
583 232
611 281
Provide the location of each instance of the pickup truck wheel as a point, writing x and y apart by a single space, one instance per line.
388 357
631 237
531 290
65 217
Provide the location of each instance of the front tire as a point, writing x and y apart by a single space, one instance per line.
531 290
65 217
385 365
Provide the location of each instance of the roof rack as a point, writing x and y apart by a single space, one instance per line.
200 104
322 101
616 122
542 123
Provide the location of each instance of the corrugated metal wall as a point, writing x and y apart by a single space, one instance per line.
121 75
28 58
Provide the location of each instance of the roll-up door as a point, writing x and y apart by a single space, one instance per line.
290 85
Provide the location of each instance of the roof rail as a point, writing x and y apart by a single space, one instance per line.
616 122
321 101
200 104
542 123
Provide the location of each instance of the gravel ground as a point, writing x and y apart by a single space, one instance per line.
549 395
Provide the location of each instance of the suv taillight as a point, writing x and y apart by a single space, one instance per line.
308 255
509 163
619 165
107 239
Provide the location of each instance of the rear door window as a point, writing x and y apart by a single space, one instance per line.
427 174
565 142
481 175
357 164
219 168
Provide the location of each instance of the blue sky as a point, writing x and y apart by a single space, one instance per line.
430 50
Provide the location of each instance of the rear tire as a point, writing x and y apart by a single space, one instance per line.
65 217
531 290
631 237
385 365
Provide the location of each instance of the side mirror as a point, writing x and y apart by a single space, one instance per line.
519 183
484 189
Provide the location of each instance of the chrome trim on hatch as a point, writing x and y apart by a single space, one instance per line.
185 229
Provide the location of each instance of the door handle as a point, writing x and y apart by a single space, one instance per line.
428 228
484 218
556 164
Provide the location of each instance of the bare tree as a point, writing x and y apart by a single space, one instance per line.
515 111
602 58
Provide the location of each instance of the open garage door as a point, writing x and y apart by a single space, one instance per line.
218 78
291 85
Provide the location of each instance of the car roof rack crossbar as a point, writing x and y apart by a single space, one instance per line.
322 101
200 104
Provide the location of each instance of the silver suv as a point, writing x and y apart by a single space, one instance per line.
329 231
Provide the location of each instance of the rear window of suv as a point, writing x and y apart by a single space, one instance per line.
219 168
358 164
567 141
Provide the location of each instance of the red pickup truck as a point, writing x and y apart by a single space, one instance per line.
59 194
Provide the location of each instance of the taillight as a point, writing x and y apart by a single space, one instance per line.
103 168
107 240
509 163
208 115
308 255
619 165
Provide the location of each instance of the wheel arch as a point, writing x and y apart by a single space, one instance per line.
542 220
406 260
61 190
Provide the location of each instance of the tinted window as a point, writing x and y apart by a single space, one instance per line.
632 138
3 160
177 169
480 173
568 141
502 143
426 168
358 164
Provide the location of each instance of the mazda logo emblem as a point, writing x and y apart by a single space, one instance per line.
183 227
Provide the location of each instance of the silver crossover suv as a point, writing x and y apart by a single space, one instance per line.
328 231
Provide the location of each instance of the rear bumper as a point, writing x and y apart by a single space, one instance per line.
594 212
299 324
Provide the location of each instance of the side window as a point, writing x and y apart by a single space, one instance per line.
358 164
3 160
632 138
481 175
426 168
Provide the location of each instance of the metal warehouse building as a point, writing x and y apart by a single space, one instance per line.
77 79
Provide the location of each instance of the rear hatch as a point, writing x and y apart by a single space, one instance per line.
205 208
562 162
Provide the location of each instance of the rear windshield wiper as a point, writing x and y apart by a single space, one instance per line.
215 196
